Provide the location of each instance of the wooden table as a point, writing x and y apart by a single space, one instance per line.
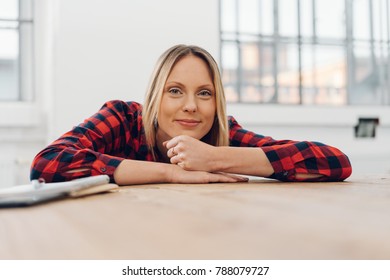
262 219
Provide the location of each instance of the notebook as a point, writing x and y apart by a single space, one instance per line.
38 191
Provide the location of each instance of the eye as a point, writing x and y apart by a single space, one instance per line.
205 93
174 91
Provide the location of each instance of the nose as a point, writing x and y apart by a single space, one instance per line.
190 104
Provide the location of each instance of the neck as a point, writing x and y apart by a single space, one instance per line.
160 139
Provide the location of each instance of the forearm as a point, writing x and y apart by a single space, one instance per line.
131 172
241 160
248 161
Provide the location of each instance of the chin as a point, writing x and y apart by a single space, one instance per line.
191 134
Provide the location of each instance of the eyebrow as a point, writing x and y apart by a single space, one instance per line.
182 85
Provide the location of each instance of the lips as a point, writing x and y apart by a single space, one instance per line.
188 122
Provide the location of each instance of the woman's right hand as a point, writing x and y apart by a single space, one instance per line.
133 172
179 175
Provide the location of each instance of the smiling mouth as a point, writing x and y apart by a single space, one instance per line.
188 123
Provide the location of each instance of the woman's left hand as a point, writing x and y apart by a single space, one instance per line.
191 154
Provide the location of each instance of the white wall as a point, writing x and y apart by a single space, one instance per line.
106 50
91 51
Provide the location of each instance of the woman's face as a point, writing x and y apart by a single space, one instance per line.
188 102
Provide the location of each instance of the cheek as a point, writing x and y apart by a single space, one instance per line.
166 113
167 110
210 111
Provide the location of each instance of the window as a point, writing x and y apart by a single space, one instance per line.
16 50
324 52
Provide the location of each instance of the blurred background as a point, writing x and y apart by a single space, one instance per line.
292 69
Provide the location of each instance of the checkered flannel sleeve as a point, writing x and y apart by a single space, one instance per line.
289 157
87 149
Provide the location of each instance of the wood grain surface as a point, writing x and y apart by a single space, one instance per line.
262 219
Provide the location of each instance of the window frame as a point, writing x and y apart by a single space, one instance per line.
24 26
347 44
27 110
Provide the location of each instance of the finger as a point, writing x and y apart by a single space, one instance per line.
174 151
170 153
239 178
234 176
171 143
176 159
221 178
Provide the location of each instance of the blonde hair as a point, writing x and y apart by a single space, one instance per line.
219 132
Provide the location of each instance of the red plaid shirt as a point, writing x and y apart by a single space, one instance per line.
101 142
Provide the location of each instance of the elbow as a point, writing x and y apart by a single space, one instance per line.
320 163
35 169
38 169
332 163
340 168
346 168
330 169
43 167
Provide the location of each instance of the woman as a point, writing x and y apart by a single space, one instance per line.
181 135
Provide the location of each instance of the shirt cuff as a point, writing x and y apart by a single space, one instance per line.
106 165
283 165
